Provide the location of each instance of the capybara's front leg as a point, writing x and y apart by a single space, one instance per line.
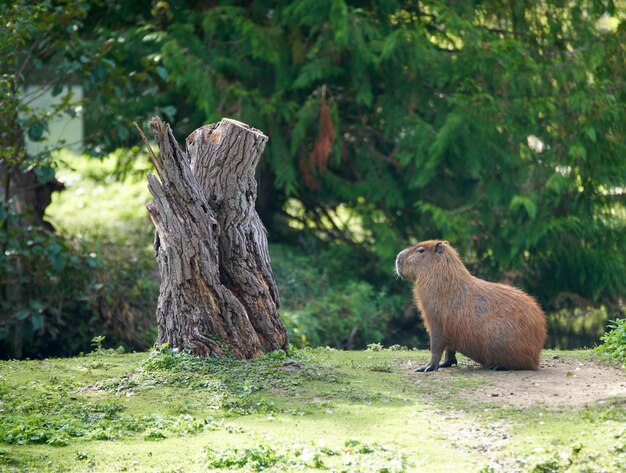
436 350
449 360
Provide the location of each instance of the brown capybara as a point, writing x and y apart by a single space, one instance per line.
499 326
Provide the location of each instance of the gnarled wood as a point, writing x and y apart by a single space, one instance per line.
218 293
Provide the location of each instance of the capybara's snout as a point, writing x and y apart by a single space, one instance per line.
399 262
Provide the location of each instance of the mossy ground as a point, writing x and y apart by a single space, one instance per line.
316 410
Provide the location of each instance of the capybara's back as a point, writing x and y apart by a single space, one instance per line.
499 326
494 324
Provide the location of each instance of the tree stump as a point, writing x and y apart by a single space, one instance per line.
218 295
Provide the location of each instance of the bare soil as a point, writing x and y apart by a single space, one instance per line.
561 382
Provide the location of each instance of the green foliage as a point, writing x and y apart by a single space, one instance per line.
323 307
96 342
54 414
46 46
99 281
98 349
380 347
578 327
43 276
258 458
53 290
356 456
238 388
27 415
35 35
349 316
97 45
614 342
572 458
241 378
59 294
499 129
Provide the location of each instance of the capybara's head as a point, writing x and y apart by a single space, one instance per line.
423 258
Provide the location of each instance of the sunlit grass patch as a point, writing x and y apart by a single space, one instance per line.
98 204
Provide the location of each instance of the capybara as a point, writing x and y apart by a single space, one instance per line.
499 326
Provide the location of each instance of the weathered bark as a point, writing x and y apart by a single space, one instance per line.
218 293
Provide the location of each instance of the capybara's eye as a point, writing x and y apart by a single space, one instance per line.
420 250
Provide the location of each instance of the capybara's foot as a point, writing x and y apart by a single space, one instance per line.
428 367
449 361
497 367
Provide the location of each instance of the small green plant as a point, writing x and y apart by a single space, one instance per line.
381 368
96 343
163 358
614 342
97 349
380 347
354 457
487 469
257 459
154 434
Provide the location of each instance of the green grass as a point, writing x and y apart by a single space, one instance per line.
319 410
99 204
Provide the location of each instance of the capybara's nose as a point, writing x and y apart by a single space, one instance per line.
399 262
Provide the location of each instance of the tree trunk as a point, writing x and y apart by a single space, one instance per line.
22 192
218 294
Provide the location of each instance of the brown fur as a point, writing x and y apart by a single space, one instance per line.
498 326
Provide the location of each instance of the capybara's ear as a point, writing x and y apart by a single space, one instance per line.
439 247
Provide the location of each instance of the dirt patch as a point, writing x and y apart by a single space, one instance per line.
561 382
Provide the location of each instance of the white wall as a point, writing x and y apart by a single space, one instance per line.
61 127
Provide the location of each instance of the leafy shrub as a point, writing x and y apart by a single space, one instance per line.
344 317
58 293
41 277
577 327
614 342
324 304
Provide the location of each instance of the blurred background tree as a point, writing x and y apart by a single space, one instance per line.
497 126
52 298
